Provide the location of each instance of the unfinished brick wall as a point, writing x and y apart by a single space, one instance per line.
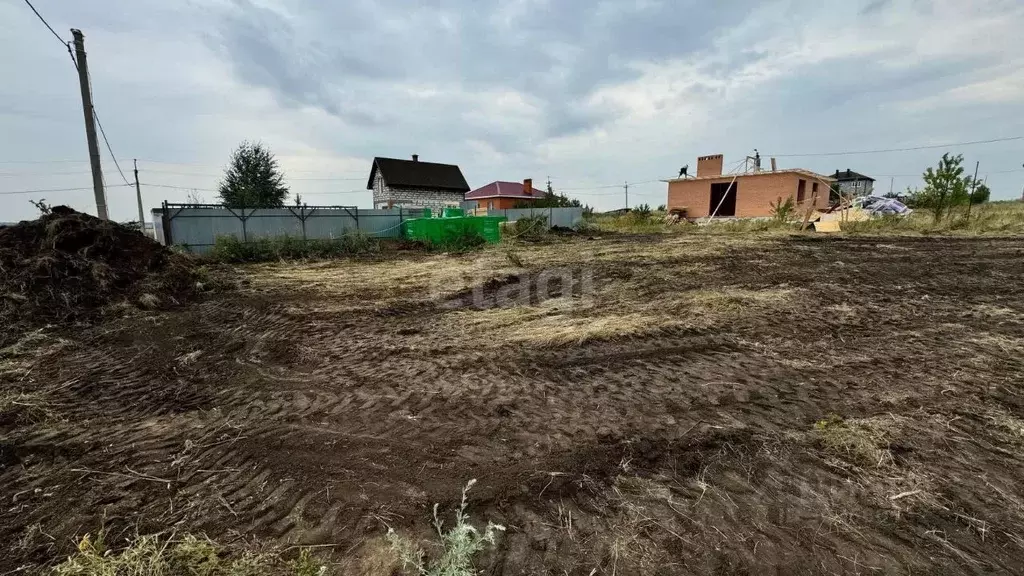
709 165
754 194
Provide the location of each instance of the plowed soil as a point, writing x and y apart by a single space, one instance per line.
628 405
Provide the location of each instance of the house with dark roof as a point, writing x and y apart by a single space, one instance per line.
853 183
499 195
415 184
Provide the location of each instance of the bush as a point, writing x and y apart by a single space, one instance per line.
783 211
459 545
630 223
528 228
468 239
231 249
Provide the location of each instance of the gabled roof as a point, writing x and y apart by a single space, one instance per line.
415 174
500 189
849 176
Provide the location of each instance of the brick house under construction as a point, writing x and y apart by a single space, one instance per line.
745 195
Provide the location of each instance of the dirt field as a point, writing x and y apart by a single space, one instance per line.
629 405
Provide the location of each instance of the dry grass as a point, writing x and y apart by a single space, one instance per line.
186 556
24 409
558 321
733 300
611 312
862 442
993 218
1005 422
16 360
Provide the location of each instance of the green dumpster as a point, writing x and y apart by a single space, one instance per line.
443 230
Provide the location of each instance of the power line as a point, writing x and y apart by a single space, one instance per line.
47 24
211 190
907 149
360 171
54 32
44 161
107 142
103 133
57 190
208 175
178 187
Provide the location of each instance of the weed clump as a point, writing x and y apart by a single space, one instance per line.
459 545
232 250
863 442
528 228
189 556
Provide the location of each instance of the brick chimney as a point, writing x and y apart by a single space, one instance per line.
709 165
528 186
415 157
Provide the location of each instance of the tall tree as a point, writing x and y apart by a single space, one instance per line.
253 178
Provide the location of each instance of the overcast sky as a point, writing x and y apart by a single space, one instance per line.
589 93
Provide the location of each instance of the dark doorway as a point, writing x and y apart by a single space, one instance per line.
720 191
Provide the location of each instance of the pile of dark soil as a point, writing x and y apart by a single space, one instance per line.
65 266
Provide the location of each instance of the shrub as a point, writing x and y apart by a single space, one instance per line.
643 210
458 546
783 211
231 249
528 228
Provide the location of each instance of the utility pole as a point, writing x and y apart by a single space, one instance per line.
90 125
138 196
891 180
626 186
974 184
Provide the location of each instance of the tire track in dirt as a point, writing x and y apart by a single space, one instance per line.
296 424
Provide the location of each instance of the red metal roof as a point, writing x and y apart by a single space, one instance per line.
499 189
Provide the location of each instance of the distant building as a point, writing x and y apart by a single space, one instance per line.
853 183
501 195
415 184
745 195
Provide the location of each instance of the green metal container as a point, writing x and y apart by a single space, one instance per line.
442 230
452 212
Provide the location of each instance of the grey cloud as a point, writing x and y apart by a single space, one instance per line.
267 51
875 6
358 78
366 48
